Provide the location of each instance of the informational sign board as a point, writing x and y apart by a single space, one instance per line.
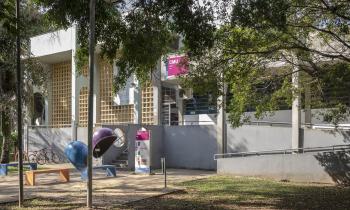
142 151
177 65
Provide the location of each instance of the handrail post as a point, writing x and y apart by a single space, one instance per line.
165 178
162 164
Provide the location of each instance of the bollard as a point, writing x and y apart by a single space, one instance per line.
164 168
162 165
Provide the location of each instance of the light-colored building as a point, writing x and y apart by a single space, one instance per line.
274 146
159 102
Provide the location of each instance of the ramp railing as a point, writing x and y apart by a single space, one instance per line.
333 148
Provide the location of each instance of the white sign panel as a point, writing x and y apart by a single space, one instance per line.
142 151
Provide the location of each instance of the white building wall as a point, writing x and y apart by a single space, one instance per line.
54 42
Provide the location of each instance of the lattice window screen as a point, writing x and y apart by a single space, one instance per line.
61 83
84 71
147 104
83 107
109 113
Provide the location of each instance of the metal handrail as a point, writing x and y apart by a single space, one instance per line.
50 126
314 126
332 148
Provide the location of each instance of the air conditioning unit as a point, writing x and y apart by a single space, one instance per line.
186 93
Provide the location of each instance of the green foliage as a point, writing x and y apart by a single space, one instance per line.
135 34
337 114
31 23
307 36
33 72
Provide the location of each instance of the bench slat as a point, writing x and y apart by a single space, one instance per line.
63 174
4 167
47 171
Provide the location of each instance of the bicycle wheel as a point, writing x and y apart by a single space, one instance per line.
16 157
32 158
55 158
41 159
25 157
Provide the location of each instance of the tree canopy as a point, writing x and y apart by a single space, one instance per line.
265 41
254 46
30 23
135 33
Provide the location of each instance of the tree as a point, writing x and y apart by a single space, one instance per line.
33 72
135 33
310 37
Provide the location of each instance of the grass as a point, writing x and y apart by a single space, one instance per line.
12 169
220 192
225 192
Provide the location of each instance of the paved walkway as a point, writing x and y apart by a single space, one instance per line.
126 187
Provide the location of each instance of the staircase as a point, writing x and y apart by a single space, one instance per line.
120 159
121 162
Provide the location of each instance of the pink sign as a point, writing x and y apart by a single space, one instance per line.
177 65
142 135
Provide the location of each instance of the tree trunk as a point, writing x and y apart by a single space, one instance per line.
6 139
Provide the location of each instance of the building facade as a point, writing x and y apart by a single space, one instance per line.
160 101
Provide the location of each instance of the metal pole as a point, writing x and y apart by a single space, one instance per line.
19 105
164 173
91 95
162 163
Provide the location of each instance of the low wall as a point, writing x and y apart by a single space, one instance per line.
258 138
321 138
316 167
157 152
190 146
55 138
286 116
249 138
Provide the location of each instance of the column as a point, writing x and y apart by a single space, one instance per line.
180 105
97 90
75 91
156 82
221 125
296 110
307 105
137 102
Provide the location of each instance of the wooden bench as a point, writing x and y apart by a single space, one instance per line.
4 167
110 171
63 175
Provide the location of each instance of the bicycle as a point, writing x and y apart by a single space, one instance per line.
45 156
33 156
25 157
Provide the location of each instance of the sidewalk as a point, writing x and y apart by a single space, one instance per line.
126 187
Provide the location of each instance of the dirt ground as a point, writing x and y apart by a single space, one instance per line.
124 188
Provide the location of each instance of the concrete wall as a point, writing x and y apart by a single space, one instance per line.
316 167
183 146
258 138
51 43
190 146
157 151
55 138
194 146
320 138
286 116
200 119
263 137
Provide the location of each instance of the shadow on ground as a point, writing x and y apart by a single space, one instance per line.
217 192
245 193
337 165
